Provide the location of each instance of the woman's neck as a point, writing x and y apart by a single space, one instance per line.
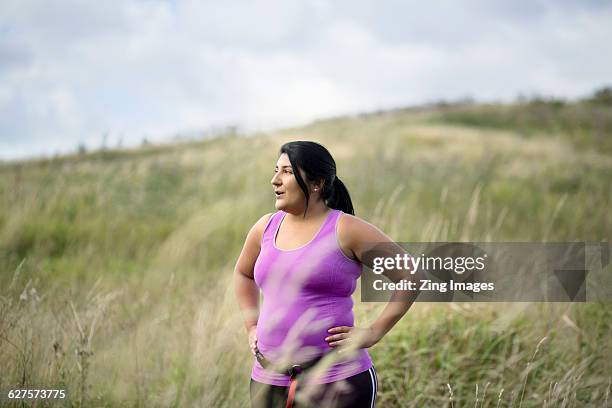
315 211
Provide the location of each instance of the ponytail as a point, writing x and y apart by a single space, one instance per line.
339 198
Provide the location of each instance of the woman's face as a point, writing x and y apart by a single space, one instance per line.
289 195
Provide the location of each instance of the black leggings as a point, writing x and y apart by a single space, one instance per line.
358 391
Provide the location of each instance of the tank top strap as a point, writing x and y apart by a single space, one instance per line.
329 226
271 227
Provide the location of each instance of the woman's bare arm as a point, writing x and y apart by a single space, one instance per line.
357 236
245 288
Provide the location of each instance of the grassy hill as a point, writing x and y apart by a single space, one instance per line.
116 266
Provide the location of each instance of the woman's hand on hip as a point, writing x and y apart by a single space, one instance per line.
253 339
352 337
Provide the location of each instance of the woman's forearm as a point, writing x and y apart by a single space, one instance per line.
247 293
400 301
395 309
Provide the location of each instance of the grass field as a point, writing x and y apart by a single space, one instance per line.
116 266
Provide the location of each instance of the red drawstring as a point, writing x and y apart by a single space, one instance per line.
293 372
291 394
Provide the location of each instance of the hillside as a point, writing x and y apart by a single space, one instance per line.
115 267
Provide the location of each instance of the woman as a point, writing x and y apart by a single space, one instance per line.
306 258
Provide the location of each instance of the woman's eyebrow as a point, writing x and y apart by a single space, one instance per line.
282 167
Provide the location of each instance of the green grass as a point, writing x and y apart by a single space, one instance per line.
116 266
585 123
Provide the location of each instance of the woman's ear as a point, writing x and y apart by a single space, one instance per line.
318 187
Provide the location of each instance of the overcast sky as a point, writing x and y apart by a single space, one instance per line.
71 71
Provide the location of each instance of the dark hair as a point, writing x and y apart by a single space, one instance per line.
317 163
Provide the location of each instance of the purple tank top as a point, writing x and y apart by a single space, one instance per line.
306 291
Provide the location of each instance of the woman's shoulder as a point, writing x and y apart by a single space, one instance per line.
352 229
260 226
263 221
348 223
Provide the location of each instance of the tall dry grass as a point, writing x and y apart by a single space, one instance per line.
116 268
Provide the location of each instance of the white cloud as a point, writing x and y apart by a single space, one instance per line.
74 70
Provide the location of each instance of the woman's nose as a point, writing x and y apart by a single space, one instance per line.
275 180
